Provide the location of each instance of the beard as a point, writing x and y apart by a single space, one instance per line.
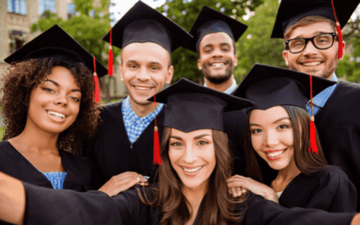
219 78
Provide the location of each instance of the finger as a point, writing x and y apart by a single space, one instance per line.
233 191
238 191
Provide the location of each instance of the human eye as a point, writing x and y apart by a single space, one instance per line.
48 89
283 126
175 144
255 131
132 66
155 68
202 142
75 99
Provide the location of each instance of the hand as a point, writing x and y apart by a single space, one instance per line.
237 184
122 182
356 219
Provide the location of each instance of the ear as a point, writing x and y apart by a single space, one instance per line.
285 56
169 75
199 65
235 60
121 71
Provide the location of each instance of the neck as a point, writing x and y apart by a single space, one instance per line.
195 195
285 176
220 87
142 110
32 139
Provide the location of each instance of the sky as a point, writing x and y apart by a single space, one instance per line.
122 6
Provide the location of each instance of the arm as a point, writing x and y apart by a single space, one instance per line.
123 182
12 199
239 183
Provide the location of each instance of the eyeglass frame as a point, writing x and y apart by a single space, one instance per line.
333 34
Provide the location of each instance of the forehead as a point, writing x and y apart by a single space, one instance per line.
311 29
145 52
62 76
191 134
268 115
216 39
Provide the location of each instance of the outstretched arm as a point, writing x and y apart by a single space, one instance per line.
12 199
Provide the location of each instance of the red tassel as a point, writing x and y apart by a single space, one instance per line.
96 93
312 142
341 46
111 60
338 29
312 139
157 158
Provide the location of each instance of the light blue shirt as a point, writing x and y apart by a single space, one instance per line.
135 125
320 99
231 88
56 179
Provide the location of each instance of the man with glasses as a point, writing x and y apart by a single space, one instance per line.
313 45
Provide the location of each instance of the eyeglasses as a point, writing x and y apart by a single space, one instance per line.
322 41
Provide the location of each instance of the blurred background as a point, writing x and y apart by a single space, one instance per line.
87 21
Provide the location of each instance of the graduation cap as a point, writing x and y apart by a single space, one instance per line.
56 43
269 86
211 21
291 11
144 24
191 106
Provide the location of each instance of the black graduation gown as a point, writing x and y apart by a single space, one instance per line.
338 125
79 169
329 190
46 206
112 152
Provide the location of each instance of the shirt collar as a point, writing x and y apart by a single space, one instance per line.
321 98
230 89
131 116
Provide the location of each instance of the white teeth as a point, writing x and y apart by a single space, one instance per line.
217 64
62 116
273 154
142 88
192 170
311 64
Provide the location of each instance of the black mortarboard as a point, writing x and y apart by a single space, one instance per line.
191 106
212 21
291 11
56 43
269 86
144 24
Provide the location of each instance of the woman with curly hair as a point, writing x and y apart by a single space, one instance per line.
48 111
283 152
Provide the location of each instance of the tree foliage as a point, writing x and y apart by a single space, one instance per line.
184 13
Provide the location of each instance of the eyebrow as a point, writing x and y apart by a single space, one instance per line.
197 137
314 34
134 61
276 121
58 85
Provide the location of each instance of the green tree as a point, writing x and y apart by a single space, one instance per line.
256 45
184 13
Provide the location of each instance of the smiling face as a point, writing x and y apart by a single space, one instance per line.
311 60
145 70
55 102
192 155
216 57
272 136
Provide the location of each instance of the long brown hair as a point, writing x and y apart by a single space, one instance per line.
218 205
307 162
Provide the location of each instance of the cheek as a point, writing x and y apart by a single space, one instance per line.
174 156
256 142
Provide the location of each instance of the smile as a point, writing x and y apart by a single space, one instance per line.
56 114
191 170
273 155
142 88
311 63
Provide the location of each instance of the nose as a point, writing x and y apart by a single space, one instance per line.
143 74
190 155
310 49
271 139
217 52
61 99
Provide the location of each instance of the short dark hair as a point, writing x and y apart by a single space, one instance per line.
24 76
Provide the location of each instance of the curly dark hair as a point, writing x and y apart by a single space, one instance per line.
22 77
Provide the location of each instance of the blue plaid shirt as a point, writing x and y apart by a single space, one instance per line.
320 99
135 125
